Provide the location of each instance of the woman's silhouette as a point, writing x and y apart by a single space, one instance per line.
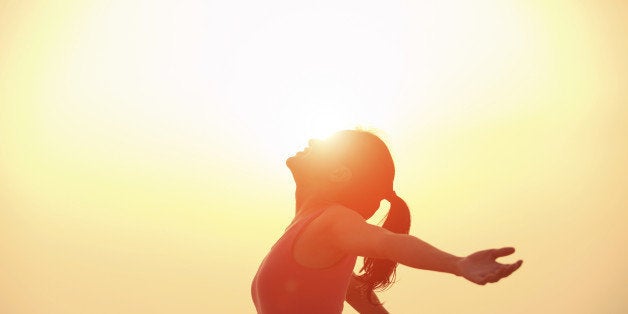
340 183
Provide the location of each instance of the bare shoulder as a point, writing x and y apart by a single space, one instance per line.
331 219
338 215
335 219
350 233
343 221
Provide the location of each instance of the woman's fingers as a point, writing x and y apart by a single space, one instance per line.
504 271
501 271
513 267
505 251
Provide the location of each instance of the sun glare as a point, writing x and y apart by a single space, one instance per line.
272 83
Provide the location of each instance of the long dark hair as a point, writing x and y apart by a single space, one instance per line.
380 273
373 172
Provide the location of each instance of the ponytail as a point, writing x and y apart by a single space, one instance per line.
380 273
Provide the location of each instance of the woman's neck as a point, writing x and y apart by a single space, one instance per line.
309 199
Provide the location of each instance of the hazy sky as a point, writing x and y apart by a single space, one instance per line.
142 145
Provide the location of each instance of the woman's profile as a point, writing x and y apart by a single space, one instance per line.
340 183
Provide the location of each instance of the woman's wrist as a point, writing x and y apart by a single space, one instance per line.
456 266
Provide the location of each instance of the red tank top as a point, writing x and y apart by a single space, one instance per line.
281 285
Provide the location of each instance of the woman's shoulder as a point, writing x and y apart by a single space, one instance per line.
328 216
339 214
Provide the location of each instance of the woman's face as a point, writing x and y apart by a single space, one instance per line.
304 163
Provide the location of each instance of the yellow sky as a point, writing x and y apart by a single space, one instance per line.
142 145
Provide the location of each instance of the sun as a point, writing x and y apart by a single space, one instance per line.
284 136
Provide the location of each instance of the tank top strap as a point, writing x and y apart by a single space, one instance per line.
298 224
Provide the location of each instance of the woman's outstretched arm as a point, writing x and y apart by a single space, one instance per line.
353 235
363 300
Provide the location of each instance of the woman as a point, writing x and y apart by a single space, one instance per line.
340 183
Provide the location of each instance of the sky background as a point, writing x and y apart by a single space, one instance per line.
142 145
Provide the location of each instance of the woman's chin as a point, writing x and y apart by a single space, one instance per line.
291 161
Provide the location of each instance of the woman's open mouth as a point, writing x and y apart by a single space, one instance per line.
304 152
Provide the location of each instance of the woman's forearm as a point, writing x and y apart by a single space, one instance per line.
414 252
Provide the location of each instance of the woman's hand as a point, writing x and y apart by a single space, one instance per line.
481 267
362 299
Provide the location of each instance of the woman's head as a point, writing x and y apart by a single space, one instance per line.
351 167
355 168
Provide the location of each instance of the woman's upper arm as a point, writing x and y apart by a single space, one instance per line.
352 235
